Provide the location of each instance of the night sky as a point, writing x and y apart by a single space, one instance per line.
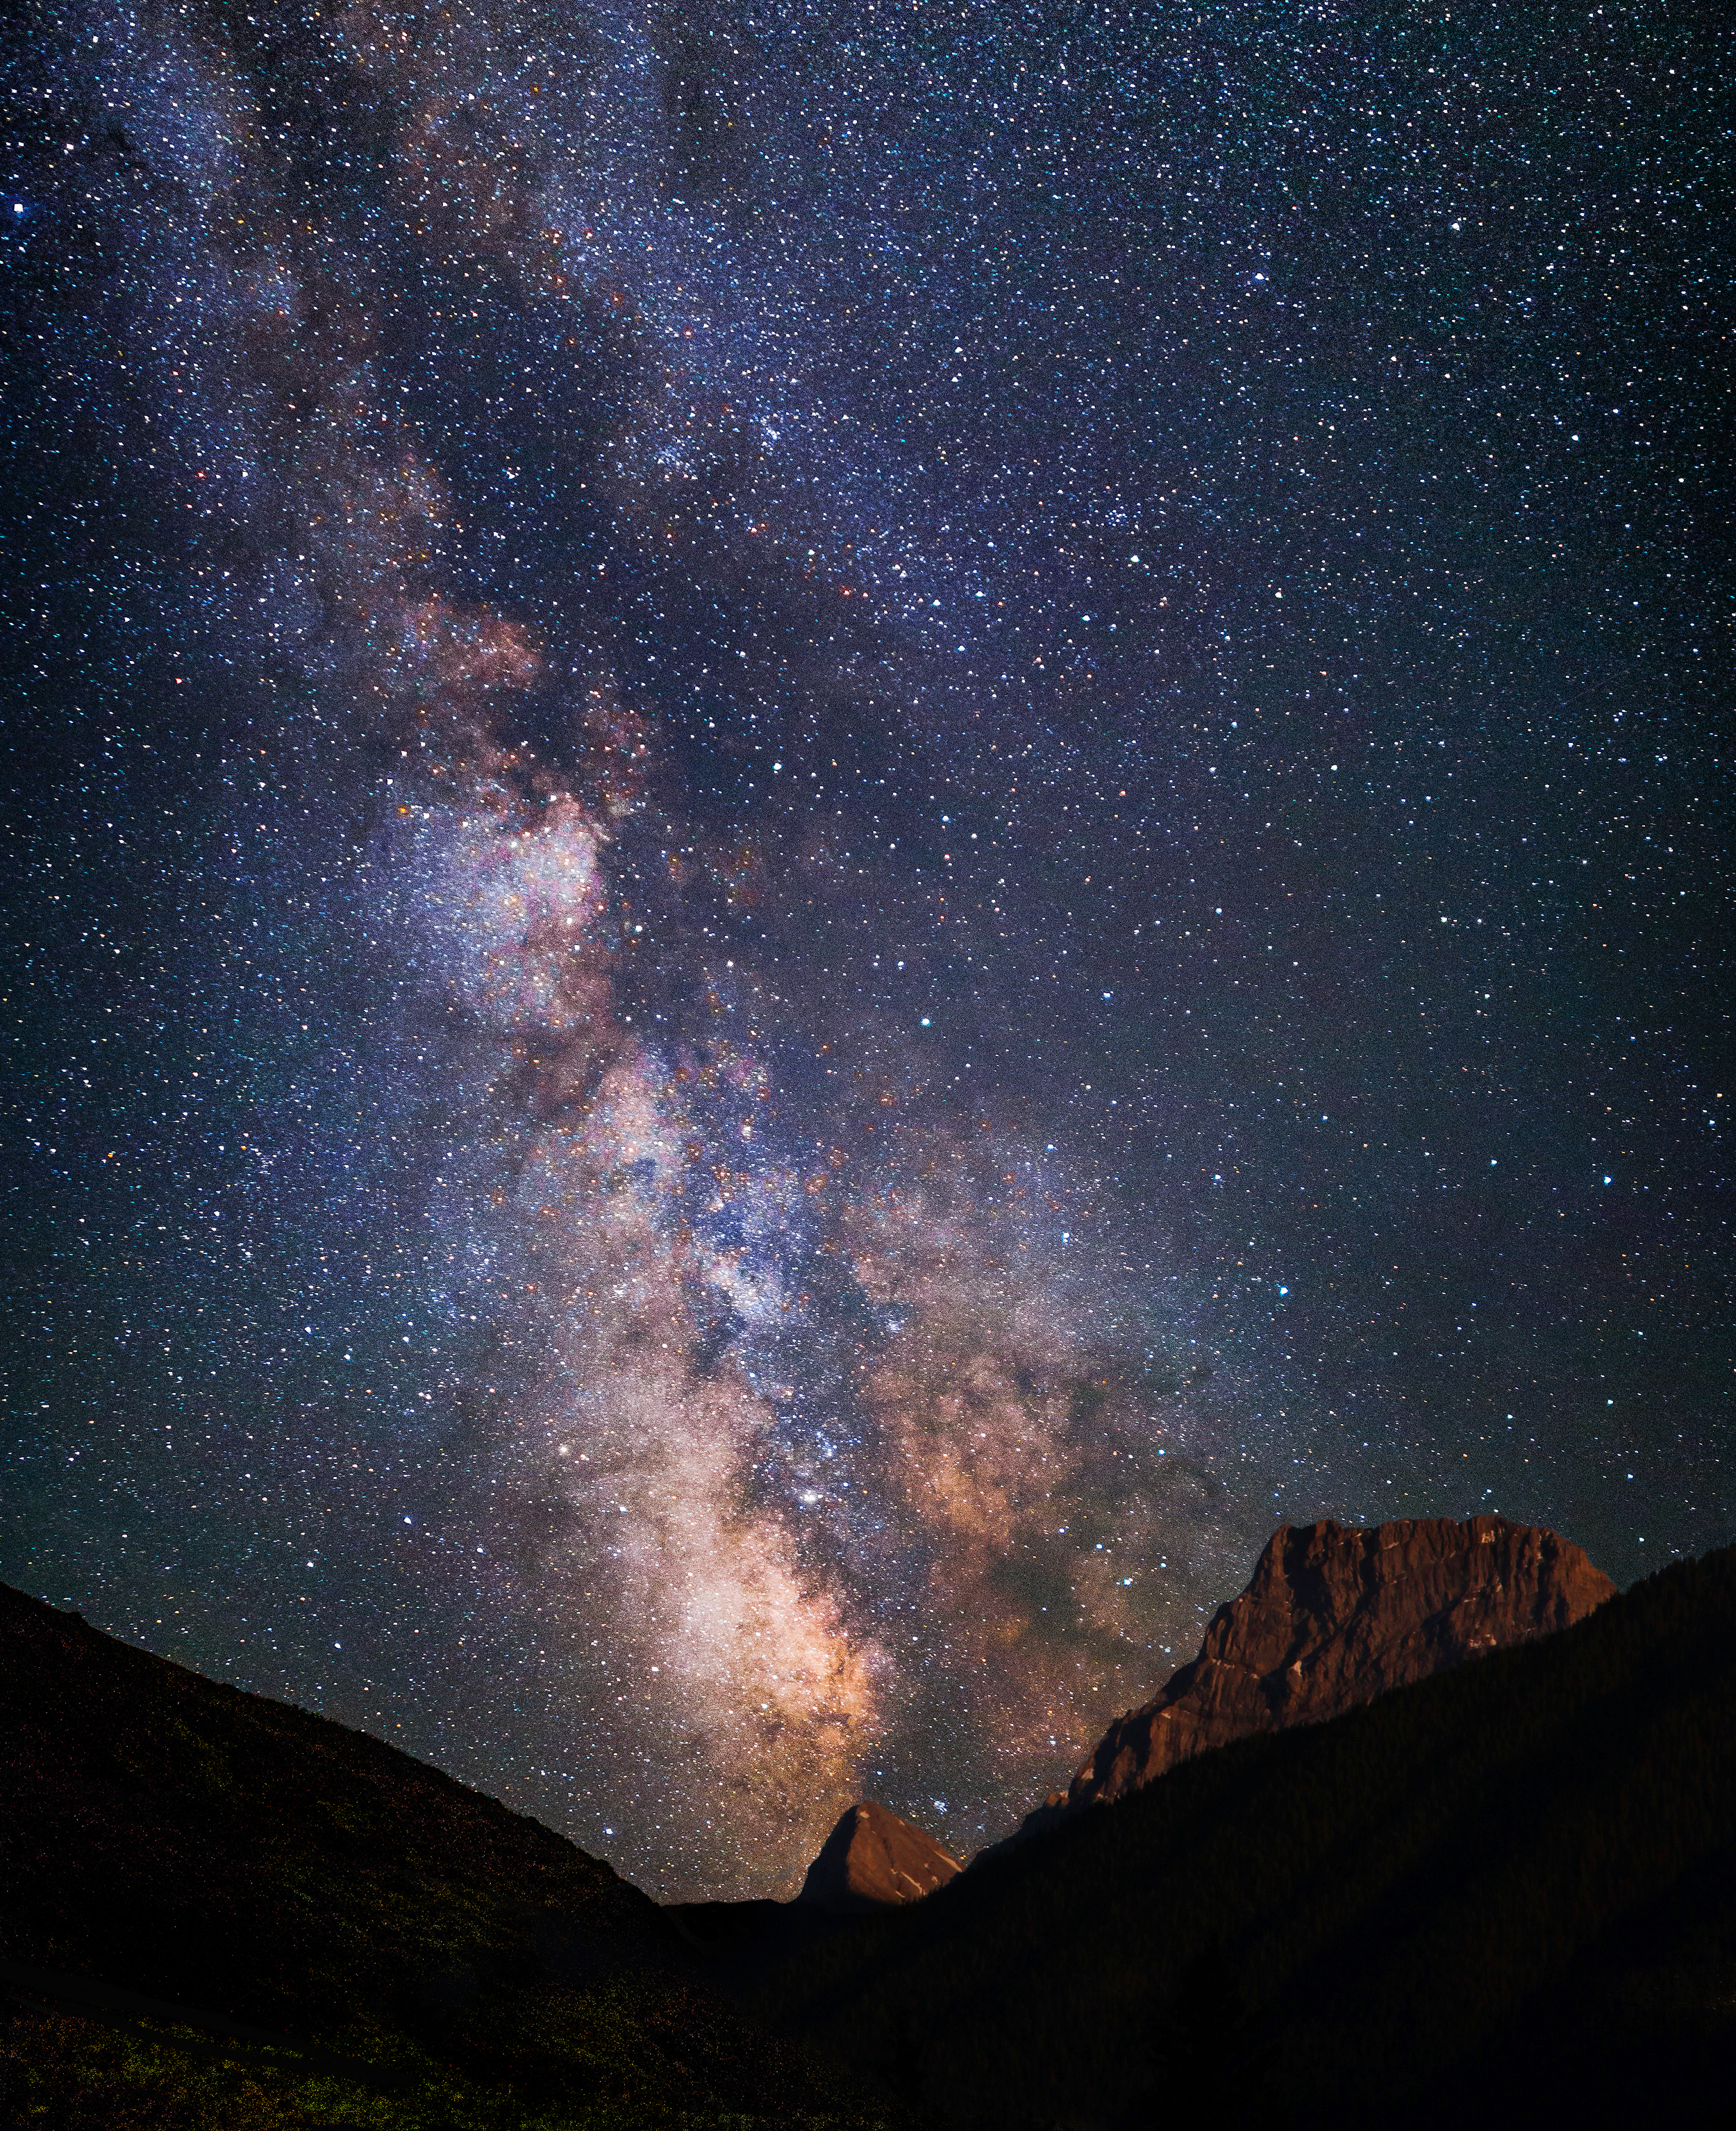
831 829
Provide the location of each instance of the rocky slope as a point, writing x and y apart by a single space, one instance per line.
872 1860
1333 1616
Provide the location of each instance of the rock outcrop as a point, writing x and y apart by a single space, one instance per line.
1332 1617
872 1860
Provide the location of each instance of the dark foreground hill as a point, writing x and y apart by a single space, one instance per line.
1504 1892
219 1911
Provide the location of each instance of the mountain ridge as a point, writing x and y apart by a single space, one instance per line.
1332 1615
1507 1885
1516 1876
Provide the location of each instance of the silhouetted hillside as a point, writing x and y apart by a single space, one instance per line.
1508 1888
221 1862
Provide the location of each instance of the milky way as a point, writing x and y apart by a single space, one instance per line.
834 830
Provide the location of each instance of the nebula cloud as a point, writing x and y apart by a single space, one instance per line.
818 1457
842 1411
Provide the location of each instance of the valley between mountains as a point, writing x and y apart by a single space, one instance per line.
1436 1820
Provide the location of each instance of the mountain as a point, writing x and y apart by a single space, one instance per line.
1505 1889
1331 1617
218 1910
872 1860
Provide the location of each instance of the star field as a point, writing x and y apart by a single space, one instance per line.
829 831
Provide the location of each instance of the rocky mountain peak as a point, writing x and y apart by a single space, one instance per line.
1331 1617
872 1860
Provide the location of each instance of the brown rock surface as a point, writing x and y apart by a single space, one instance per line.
873 1860
1333 1616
